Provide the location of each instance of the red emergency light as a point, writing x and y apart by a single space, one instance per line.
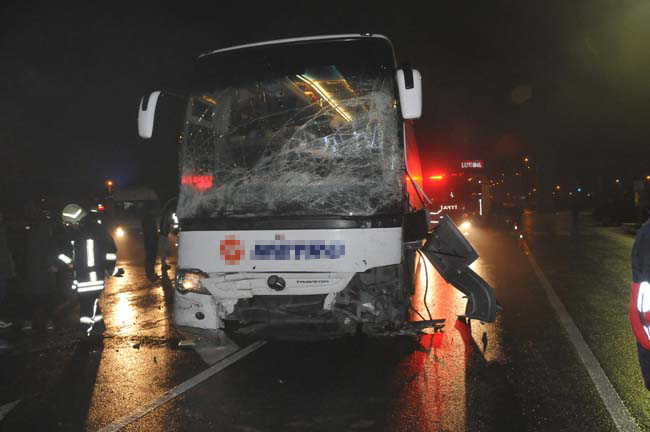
201 182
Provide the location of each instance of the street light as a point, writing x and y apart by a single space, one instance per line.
526 159
557 187
109 185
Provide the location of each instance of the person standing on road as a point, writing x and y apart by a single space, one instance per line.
639 312
92 256
41 266
150 234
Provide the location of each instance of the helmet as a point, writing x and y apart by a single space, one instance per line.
73 213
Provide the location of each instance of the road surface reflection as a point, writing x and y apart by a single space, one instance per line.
136 364
434 393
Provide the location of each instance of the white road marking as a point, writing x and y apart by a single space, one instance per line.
4 409
620 415
181 388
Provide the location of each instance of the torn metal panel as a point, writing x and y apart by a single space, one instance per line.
451 254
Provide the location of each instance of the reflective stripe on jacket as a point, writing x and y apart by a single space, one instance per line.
640 312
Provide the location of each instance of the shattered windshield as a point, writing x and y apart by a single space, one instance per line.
308 129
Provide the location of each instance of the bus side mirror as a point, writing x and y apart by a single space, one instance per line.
147 113
409 86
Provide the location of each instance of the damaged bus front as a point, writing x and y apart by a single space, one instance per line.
293 204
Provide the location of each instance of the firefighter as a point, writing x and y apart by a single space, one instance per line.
639 313
91 255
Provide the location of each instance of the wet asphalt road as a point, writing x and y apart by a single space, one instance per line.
521 373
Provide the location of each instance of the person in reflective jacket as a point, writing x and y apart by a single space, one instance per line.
91 255
639 312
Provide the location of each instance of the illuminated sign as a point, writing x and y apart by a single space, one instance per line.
471 164
200 182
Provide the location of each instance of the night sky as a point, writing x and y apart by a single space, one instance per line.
567 83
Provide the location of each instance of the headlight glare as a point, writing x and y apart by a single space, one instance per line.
190 281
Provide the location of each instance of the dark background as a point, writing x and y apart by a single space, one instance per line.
566 83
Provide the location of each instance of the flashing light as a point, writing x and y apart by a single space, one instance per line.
579 189
201 182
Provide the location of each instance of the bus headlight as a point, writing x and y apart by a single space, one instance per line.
119 231
189 280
